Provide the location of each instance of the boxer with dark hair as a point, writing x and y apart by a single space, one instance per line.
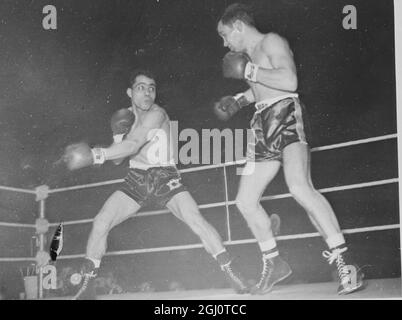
265 62
152 178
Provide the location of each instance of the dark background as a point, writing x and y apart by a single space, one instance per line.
61 86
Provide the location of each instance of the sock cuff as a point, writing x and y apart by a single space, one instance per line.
270 255
335 241
96 262
217 254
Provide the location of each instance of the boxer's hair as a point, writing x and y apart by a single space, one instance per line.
238 11
140 72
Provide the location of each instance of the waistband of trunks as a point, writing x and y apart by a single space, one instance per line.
138 165
152 168
261 105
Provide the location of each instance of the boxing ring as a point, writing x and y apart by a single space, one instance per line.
156 249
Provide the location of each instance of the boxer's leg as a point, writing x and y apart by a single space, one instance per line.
296 166
117 208
174 195
296 163
183 206
248 198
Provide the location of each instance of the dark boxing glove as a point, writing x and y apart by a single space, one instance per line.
80 155
227 106
121 123
237 65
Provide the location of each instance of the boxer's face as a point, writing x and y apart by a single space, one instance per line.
231 35
142 92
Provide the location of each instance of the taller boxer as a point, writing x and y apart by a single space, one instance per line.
265 62
152 178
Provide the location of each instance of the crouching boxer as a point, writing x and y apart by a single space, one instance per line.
265 62
149 180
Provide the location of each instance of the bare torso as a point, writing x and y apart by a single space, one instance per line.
258 56
157 151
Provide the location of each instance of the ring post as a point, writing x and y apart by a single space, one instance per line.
42 226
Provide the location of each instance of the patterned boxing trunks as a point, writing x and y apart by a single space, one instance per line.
275 126
155 185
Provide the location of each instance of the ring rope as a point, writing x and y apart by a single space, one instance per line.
232 242
20 190
17 225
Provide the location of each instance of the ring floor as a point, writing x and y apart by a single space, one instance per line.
374 289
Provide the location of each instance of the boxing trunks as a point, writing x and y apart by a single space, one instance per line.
153 185
276 123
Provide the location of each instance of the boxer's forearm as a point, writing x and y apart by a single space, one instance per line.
120 160
121 150
280 79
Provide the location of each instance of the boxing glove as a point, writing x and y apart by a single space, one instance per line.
121 123
80 155
227 106
237 65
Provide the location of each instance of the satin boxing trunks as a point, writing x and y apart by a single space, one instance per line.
154 185
277 123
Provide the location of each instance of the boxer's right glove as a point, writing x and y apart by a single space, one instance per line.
121 123
227 106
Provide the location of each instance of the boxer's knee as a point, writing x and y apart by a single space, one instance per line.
245 206
301 190
255 216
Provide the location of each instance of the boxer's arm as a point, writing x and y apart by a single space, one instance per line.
121 123
117 161
283 74
136 138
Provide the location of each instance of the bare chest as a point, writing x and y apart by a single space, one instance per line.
260 58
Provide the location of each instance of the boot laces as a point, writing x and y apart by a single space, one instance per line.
266 271
336 255
228 269
87 277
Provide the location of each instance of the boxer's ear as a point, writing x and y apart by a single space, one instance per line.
238 25
130 92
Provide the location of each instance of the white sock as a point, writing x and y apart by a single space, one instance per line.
335 241
217 254
267 245
96 262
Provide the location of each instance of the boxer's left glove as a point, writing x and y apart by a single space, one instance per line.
121 123
80 155
227 106
238 65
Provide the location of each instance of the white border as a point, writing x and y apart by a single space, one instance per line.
398 75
